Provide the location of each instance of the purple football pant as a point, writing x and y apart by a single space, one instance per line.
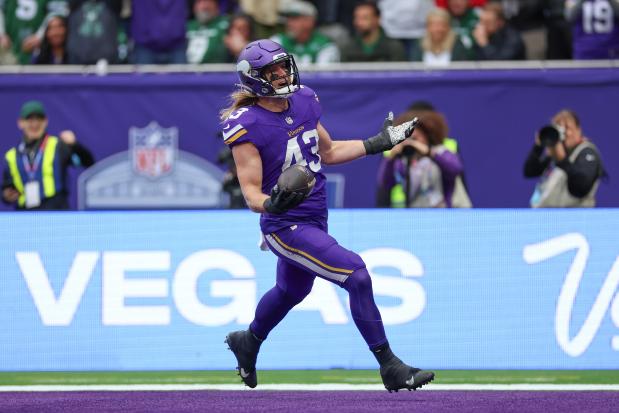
307 251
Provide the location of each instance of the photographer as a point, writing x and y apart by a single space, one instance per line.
569 164
230 183
423 166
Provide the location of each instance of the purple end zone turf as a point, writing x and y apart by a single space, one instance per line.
311 401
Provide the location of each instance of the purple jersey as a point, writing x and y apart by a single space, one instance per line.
596 31
284 139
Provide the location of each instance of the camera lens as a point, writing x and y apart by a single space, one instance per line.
408 151
549 135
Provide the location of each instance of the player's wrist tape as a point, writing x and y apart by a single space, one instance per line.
376 144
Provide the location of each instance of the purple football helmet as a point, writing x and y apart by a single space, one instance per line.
259 56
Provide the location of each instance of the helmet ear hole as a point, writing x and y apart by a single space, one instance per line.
243 66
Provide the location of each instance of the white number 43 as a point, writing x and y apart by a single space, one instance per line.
293 151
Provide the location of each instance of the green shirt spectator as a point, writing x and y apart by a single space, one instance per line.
463 20
382 50
370 43
318 49
25 23
205 42
205 34
301 39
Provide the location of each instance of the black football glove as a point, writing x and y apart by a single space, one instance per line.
389 136
281 201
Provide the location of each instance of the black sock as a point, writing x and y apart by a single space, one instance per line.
383 353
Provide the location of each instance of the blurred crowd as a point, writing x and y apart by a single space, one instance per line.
434 32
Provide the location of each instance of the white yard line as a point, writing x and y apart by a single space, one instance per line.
308 387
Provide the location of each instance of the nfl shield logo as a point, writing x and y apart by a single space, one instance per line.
153 150
289 120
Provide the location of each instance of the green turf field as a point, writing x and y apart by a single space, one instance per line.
309 376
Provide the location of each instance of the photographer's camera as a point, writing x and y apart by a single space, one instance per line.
549 135
408 151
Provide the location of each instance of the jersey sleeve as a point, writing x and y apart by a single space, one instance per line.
312 99
583 172
239 128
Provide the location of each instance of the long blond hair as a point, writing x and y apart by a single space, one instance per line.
448 43
238 99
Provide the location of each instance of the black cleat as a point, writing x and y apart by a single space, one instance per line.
245 348
396 375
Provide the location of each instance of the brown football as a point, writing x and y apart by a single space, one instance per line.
297 178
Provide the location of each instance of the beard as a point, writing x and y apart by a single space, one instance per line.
203 17
365 32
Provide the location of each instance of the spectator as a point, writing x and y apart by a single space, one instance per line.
472 3
205 33
568 163
464 18
558 31
228 6
265 16
595 28
528 18
370 43
428 141
440 45
35 170
336 12
158 30
53 50
240 33
6 56
25 26
335 19
494 39
93 31
405 20
301 38
542 26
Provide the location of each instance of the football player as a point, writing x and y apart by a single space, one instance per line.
274 122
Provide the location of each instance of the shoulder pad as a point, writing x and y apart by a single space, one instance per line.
306 91
308 95
237 124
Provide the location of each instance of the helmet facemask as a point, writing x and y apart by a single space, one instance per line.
284 83
279 78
